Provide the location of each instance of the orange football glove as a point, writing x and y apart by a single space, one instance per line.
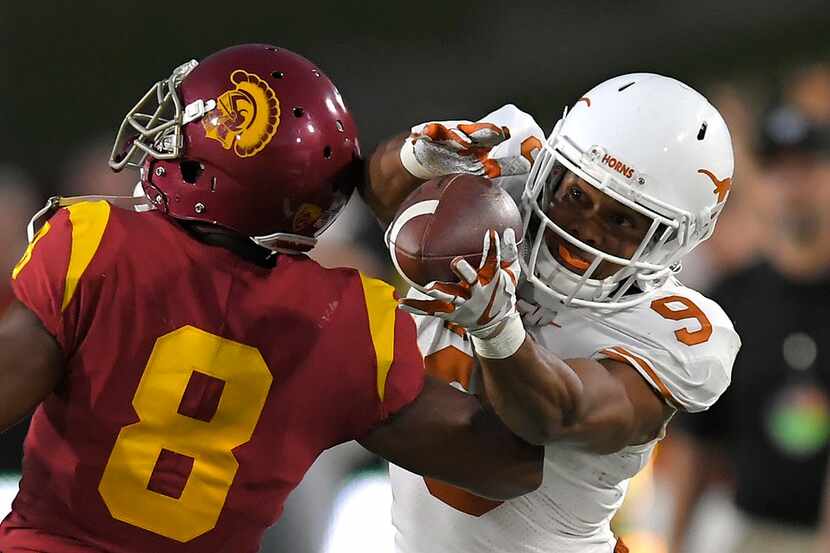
444 148
484 297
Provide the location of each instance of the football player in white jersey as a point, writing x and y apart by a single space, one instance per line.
584 341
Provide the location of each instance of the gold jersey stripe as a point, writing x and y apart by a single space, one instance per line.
381 306
27 255
89 220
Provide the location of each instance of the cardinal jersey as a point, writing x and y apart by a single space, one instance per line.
198 387
680 342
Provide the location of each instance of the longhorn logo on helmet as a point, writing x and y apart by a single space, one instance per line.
722 186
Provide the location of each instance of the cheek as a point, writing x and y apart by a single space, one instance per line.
628 247
558 213
620 246
605 270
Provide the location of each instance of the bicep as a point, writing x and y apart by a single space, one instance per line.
618 407
31 364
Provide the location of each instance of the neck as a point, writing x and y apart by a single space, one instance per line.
238 244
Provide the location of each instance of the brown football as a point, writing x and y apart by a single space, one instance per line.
447 217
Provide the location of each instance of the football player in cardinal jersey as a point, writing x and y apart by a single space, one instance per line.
585 341
188 362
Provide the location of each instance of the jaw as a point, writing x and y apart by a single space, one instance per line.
561 278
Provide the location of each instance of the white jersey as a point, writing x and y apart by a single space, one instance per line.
680 342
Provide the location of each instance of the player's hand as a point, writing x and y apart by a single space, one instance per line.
441 149
484 298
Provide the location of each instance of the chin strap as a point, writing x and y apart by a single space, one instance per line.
137 203
281 242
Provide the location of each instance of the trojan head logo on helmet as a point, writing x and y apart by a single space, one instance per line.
653 145
253 138
246 117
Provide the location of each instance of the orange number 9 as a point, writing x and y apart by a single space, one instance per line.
688 311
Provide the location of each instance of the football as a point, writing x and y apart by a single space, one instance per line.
444 218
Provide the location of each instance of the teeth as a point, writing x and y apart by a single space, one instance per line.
572 260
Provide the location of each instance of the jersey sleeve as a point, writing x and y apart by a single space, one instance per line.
51 274
398 361
682 344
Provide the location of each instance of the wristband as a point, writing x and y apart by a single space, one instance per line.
505 343
411 163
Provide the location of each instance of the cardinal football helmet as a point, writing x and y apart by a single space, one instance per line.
254 138
653 144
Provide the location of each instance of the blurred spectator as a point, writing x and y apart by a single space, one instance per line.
811 92
87 172
19 199
773 424
736 241
824 529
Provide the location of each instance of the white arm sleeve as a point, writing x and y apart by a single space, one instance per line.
690 376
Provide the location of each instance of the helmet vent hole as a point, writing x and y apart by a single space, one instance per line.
277 74
701 134
623 87
339 125
327 152
191 170
272 48
298 112
315 72
213 184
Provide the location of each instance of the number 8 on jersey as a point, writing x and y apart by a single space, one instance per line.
163 430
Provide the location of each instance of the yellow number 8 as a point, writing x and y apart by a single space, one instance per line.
176 355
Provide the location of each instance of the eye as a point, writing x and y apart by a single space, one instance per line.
574 193
622 221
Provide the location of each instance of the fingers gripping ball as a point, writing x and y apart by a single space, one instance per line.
444 148
446 218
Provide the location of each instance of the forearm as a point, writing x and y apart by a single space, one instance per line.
17 394
30 366
478 434
535 393
388 182
450 436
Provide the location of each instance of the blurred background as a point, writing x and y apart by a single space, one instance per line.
745 475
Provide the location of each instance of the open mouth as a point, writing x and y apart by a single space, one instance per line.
572 261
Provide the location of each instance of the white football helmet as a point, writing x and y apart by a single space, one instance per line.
653 144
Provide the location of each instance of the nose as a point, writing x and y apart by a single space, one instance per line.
588 233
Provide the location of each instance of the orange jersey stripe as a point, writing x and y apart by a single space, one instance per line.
619 353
